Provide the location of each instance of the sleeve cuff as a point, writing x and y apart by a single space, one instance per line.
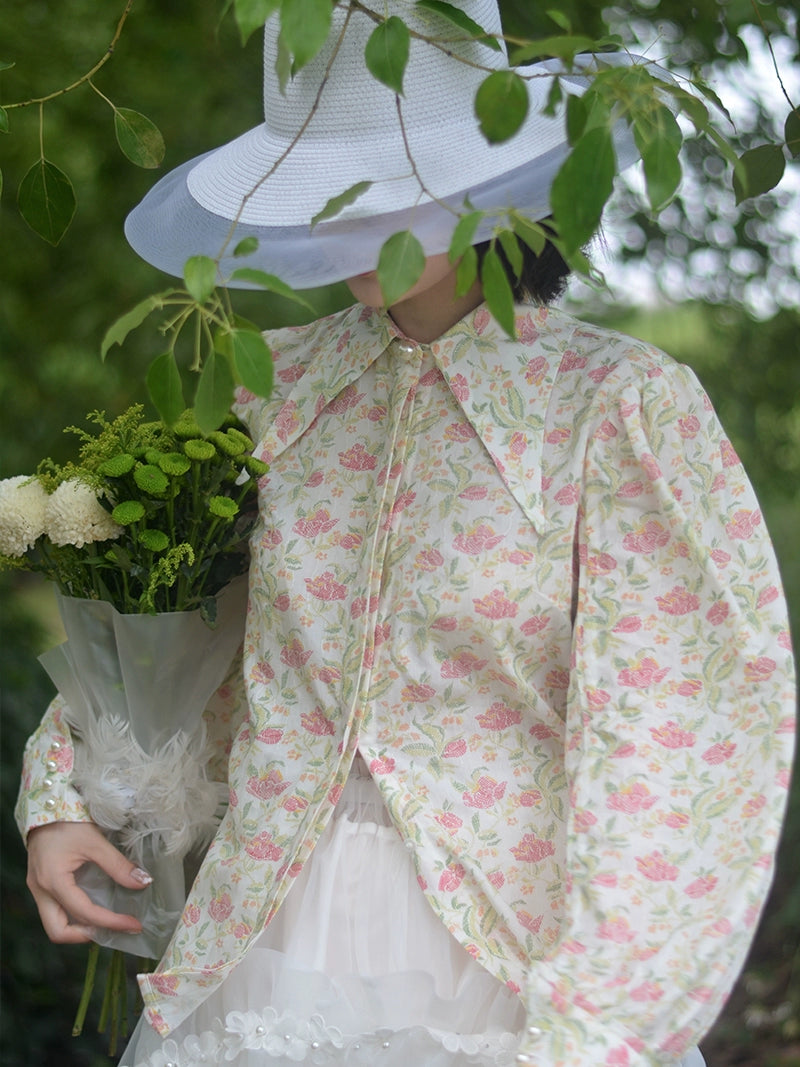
46 794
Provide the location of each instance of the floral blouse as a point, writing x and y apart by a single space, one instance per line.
530 583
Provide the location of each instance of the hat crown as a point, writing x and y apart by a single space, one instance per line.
354 103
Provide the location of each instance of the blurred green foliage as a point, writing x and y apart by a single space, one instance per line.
179 64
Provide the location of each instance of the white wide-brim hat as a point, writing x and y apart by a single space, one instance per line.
270 182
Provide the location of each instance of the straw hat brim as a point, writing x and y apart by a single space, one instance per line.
269 183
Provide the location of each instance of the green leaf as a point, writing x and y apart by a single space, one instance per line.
246 246
119 330
165 388
763 168
283 65
791 131
554 97
252 14
5 65
200 277
262 280
598 112
463 21
530 232
662 171
565 48
501 105
576 118
139 138
343 200
252 358
3 120
582 187
497 291
709 94
214 393
46 200
400 265
467 271
658 138
695 109
305 25
560 19
510 246
386 53
725 148
464 234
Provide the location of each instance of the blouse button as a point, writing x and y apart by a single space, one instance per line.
47 783
406 347
51 765
56 745
50 803
534 1031
409 845
522 1059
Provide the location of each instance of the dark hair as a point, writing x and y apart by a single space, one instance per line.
543 278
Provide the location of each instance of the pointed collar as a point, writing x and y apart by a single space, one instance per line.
502 386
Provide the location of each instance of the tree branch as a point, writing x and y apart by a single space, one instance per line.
89 74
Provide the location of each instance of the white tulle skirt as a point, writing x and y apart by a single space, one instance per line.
354 970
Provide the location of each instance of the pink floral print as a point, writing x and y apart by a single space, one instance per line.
520 579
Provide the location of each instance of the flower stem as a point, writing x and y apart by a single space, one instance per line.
88 986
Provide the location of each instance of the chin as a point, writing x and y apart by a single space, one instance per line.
366 290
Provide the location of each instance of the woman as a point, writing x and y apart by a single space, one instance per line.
509 745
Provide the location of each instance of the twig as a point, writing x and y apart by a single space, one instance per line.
86 77
772 53
295 140
411 160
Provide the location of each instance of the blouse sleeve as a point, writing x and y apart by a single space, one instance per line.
46 793
679 738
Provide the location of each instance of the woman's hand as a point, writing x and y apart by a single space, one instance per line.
55 853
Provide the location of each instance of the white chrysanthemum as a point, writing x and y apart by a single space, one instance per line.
76 517
22 514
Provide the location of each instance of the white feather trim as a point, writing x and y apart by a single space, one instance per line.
165 795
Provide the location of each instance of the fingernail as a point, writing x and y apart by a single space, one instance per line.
141 876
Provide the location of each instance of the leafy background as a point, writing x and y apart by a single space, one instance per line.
184 67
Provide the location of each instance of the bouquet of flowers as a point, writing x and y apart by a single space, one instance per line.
144 536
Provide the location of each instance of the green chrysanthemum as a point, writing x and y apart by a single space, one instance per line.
151 479
128 512
174 464
238 435
152 456
223 507
199 450
117 466
256 467
154 540
186 426
229 446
